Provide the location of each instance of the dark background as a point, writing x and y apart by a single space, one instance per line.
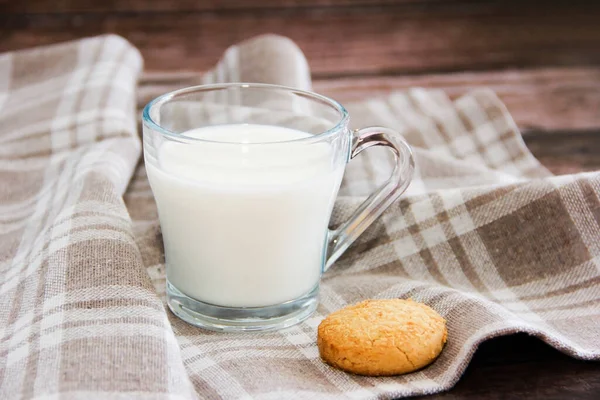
541 57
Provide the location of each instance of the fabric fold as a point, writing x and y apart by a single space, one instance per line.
79 316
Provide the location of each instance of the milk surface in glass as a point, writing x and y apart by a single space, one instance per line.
244 225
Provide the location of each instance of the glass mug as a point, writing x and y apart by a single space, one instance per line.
245 177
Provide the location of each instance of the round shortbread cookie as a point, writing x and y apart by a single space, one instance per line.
382 337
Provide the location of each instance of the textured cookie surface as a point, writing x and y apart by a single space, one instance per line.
382 337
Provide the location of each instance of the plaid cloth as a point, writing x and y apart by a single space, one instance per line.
485 235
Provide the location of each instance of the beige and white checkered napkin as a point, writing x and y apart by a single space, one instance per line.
485 235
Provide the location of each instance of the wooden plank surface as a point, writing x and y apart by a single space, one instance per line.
70 6
404 38
566 152
522 367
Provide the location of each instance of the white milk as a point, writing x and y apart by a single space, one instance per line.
244 225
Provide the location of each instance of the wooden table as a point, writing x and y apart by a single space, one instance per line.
542 58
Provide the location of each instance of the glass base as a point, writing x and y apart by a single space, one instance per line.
241 319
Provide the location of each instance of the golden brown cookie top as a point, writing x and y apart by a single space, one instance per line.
382 337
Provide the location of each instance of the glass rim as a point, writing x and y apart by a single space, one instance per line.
164 98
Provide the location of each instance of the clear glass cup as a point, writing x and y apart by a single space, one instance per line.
245 222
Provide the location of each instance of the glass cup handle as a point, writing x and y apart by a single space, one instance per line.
340 239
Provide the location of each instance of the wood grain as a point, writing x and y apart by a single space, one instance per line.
348 40
551 99
566 152
70 6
